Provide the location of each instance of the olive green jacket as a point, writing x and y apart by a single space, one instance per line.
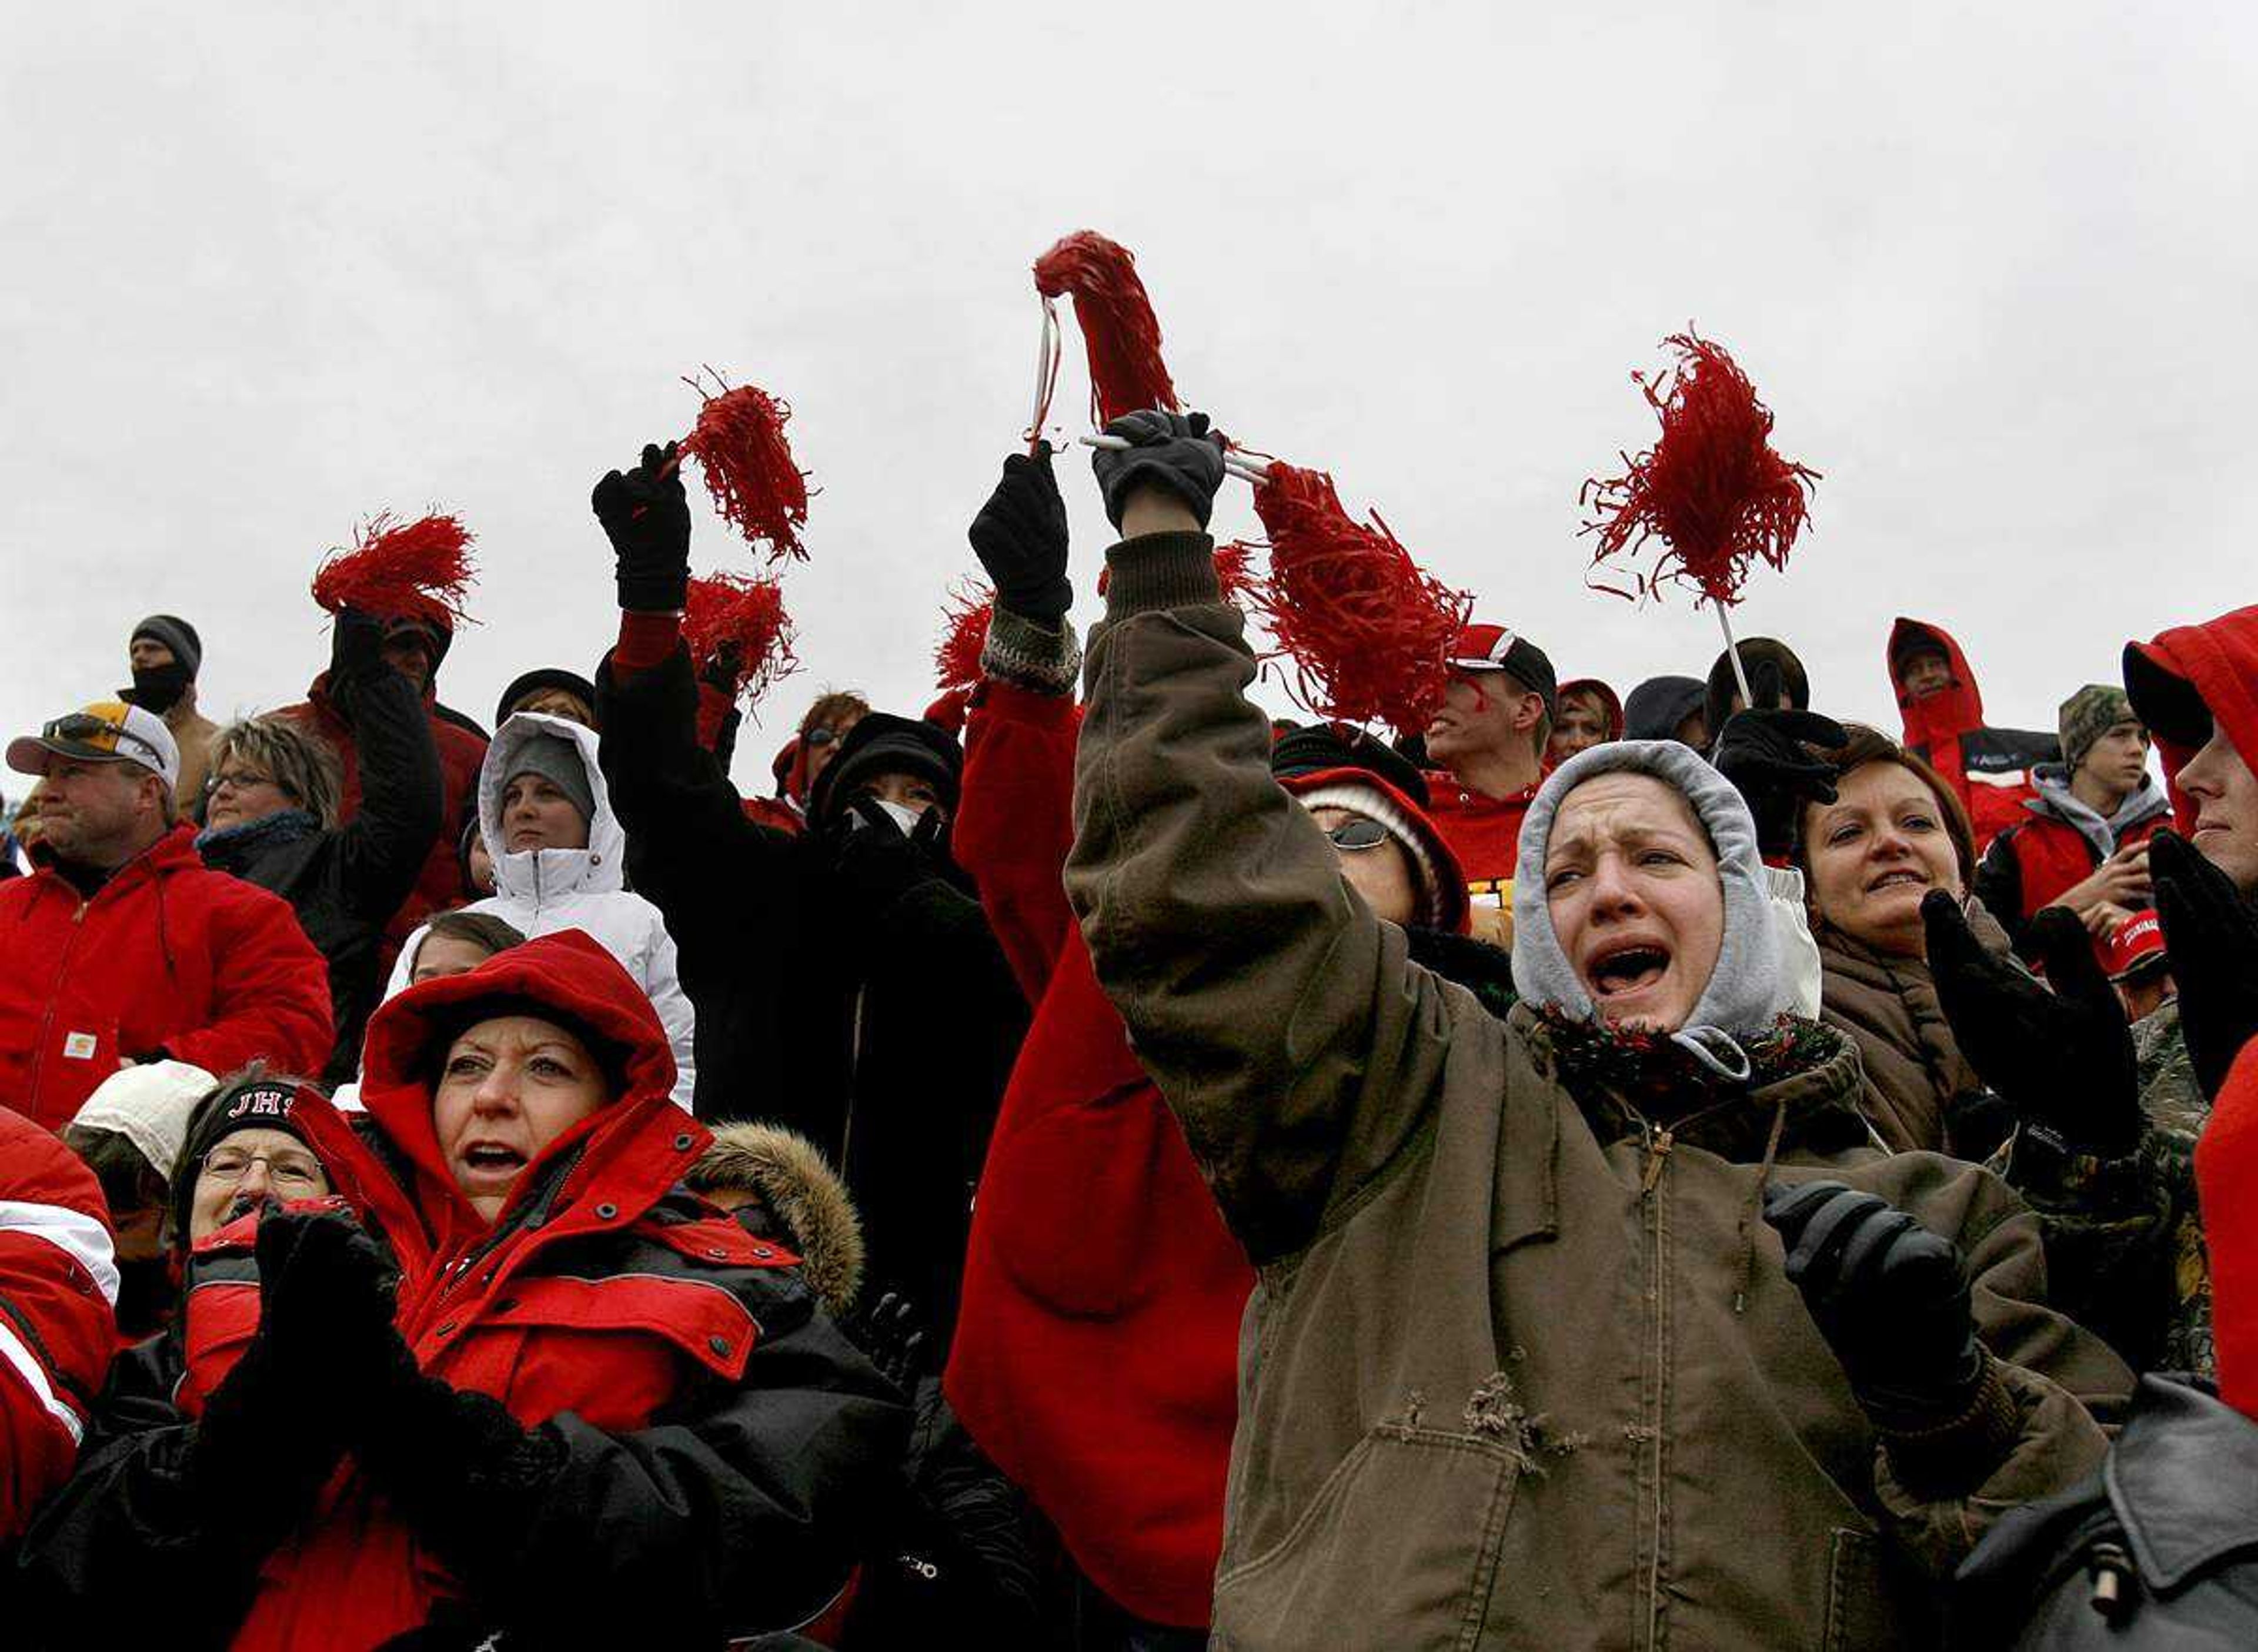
1520 1372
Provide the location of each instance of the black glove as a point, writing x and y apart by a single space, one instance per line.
2063 1059
1172 451
1019 536
355 646
2212 936
875 861
893 1336
1761 751
646 518
465 1474
1889 1297
326 1288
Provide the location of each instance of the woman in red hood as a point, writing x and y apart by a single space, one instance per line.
593 1411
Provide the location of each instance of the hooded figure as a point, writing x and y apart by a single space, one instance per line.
1658 709
1522 1313
540 891
1589 715
1988 768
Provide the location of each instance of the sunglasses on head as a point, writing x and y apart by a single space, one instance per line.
1362 833
84 728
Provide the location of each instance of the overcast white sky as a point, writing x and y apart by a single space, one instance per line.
269 268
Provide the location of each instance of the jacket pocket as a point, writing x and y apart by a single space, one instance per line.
1859 1615
1397 1548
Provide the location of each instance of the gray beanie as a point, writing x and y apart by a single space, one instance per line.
558 761
1744 994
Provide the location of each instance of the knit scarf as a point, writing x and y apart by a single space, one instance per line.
269 831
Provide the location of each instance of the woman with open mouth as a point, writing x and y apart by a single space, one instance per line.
1895 831
1604 1324
545 1394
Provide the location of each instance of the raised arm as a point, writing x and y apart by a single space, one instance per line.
1282 1022
1016 821
404 801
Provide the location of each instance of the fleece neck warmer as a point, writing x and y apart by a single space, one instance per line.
1743 997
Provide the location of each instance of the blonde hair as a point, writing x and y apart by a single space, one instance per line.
301 764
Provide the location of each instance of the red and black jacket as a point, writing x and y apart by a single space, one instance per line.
1988 768
723 1445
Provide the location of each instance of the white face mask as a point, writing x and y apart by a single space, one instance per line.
901 815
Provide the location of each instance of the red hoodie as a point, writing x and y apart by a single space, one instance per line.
1097 1347
1987 768
2214 664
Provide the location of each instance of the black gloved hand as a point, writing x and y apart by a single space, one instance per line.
2063 1059
875 861
1019 536
1176 451
1889 1297
893 1336
2211 935
646 516
1761 751
355 646
326 1291
463 1472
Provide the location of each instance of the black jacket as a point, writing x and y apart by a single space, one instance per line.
2167 1527
847 988
345 883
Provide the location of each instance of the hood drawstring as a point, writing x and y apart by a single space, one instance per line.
1745 1274
1717 1050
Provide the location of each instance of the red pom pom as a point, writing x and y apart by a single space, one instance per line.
956 661
739 441
1368 629
1118 329
414 570
743 615
1711 488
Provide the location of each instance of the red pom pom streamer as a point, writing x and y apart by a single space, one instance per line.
417 571
744 615
956 661
739 443
1368 630
1711 487
1120 330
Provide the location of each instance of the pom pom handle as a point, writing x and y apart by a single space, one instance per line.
1246 469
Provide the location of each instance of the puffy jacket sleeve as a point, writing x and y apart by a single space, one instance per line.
1281 1021
270 990
1016 823
58 1283
745 1510
404 801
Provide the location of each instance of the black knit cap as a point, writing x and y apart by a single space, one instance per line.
883 744
175 634
1321 746
256 1101
1660 705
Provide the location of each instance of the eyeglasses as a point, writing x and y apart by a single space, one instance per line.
83 728
1360 833
239 779
297 1172
818 735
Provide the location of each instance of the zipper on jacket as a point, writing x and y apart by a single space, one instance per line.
1658 1150
54 992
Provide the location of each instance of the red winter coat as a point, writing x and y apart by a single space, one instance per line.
168 959
440 887
720 1441
1096 1351
58 1287
1988 768
2227 1176
2041 857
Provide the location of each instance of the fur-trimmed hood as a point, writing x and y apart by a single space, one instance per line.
788 1176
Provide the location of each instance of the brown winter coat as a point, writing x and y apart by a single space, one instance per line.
1519 1372
1888 1006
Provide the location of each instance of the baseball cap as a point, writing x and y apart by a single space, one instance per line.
108 731
1492 647
2136 945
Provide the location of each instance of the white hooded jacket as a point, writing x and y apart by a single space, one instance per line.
540 892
